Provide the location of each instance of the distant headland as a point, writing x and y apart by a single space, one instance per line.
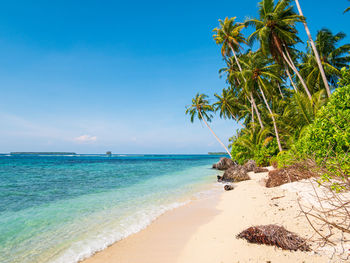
42 153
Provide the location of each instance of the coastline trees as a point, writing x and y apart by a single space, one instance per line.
274 81
227 106
201 109
259 71
333 59
275 30
314 49
229 36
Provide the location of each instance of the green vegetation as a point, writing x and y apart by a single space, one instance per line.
290 103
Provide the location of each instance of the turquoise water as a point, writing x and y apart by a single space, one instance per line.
65 208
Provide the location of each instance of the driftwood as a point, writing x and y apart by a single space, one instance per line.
275 236
293 173
228 187
260 170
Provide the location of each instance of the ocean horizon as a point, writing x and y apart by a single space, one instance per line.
64 208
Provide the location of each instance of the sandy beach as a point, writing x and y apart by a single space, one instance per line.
205 230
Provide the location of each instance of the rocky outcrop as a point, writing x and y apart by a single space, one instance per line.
228 187
235 173
250 165
223 164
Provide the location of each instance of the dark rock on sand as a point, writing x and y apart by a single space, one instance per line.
236 173
250 165
228 187
219 178
223 164
260 170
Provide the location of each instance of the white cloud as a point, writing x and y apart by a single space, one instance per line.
85 138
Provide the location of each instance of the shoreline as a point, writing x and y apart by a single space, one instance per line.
165 237
205 230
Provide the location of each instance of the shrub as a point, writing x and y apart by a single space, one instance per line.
329 135
285 158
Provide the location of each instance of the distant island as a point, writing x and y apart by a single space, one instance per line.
43 153
217 153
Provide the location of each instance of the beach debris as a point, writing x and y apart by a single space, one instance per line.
250 165
260 170
274 235
236 173
277 197
224 164
293 173
228 187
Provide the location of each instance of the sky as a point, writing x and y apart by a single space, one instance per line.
96 76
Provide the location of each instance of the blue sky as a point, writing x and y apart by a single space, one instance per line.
92 76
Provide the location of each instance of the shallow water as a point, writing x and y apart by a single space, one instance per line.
64 208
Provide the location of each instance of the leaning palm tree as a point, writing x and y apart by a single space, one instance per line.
258 70
200 108
226 105
333 59
229 36
275 29
317 56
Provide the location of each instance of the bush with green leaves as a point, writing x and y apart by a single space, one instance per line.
327 139
260 150
265 151
329 134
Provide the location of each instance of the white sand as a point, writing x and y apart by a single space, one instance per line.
205 230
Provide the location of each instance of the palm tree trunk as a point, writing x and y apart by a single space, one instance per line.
293 67
290 78
252 108
279 88
317 56
273 119
230 110
251 95
289 62
215 134
256 111
252 113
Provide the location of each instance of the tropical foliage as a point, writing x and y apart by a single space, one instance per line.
279 88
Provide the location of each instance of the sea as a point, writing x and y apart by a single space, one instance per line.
63 209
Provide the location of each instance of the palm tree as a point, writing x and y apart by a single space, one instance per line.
333 59
258 70
347 9
317 56
225 105
275 29
200 108
229 36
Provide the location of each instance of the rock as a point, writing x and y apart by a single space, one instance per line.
223 164
228 187
236 174
250 165
219 178
260 170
